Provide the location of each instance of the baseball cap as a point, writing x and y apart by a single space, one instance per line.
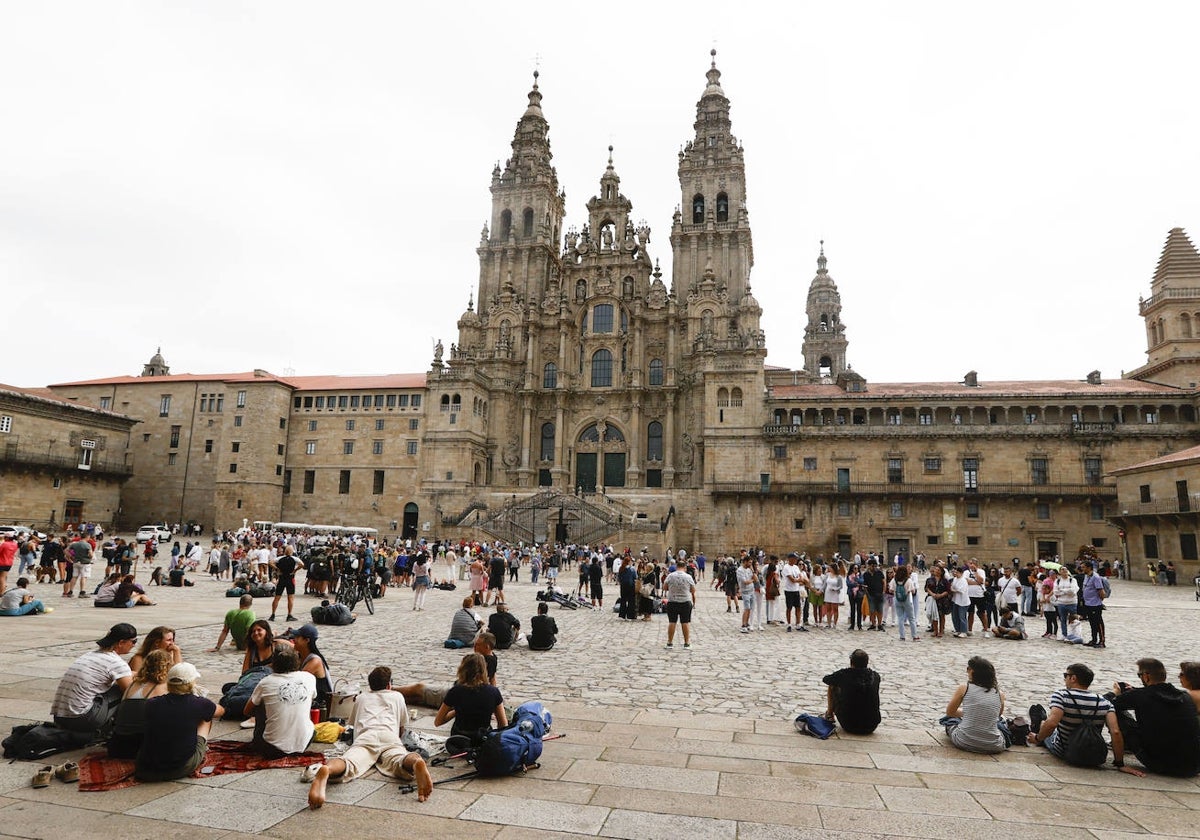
308 631
184 672
118 633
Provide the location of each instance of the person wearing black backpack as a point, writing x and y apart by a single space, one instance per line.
1072 729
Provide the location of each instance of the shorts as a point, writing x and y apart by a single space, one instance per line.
181 772
495 582
748 600
288 586
680 611
85 570
874 603
366 753
817 599
977 607
792 599
597 590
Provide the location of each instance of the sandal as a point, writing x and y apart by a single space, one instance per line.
68 772
42 777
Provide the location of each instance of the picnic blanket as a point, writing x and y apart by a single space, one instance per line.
99 772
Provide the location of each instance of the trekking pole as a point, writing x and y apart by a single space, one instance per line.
443 759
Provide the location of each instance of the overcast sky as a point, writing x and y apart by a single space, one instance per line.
300 186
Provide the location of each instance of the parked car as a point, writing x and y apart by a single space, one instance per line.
153 532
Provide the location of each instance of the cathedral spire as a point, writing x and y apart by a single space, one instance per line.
825 335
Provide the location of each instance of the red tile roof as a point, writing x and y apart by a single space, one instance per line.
45 394
300 383
1190 454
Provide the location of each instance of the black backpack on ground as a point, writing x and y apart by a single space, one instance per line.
38 740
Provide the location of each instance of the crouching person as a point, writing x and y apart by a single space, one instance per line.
378 720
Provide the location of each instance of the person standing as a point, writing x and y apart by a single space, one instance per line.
595 577
906 593
681 600
8 554
627 578
875 583
1094 593
746 578
285 582
79 554
960 602
792 594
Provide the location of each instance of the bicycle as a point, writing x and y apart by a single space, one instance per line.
351 589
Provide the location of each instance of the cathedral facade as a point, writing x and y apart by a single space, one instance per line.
589 398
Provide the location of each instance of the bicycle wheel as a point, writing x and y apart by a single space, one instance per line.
367 599
348 594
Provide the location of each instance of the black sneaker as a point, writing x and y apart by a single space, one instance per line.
1037 716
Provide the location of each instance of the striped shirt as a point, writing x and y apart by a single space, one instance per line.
1079 707
88 677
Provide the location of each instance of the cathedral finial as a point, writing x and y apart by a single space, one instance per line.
821 259
713 53
610 150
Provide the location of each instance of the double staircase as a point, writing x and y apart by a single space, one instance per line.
554 516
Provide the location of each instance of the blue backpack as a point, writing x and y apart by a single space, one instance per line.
515 747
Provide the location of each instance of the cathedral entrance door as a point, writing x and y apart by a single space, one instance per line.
585 471
614 469
411 512
897 546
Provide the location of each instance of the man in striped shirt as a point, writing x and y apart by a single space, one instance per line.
1073 706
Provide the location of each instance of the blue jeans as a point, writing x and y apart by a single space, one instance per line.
1064 612
905 611
34 606
959 615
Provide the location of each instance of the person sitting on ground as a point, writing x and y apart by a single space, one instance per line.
20 601
1073 632
378 721
1010 626
280 706
974 709
90 690
260 645
505 626
1189 679
160 638
237 624
129 723
433 695
853 696
1073 706
1165 734
543 631
464 625
180 721
304 639
106 594
472 702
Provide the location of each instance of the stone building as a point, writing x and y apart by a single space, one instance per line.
1159 511
586 397
60 464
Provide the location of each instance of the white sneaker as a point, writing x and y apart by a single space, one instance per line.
310 773
248 723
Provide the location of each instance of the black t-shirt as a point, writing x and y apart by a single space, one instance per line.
497 568
596 573
286 567
171 721
873 579
473 707
856 705
1168 728
542 631
503 626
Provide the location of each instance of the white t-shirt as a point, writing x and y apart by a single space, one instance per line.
679 586
791 577
288 699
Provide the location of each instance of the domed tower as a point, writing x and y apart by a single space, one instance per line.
825 335
1172 314
157 366
713 227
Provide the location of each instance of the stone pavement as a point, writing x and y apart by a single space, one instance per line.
660 743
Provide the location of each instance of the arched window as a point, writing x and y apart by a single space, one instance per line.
445 402
1185 325
506 224
602 369
656 372
722 207
612 434
455 403
735 397
590 435
527 222
825 366
780 417
697 209
722 397
797 417
602 318
654 441
547 441
550 376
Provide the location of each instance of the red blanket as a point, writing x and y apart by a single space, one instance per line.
99 772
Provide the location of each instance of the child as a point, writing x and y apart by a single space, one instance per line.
1045 594
1072 631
